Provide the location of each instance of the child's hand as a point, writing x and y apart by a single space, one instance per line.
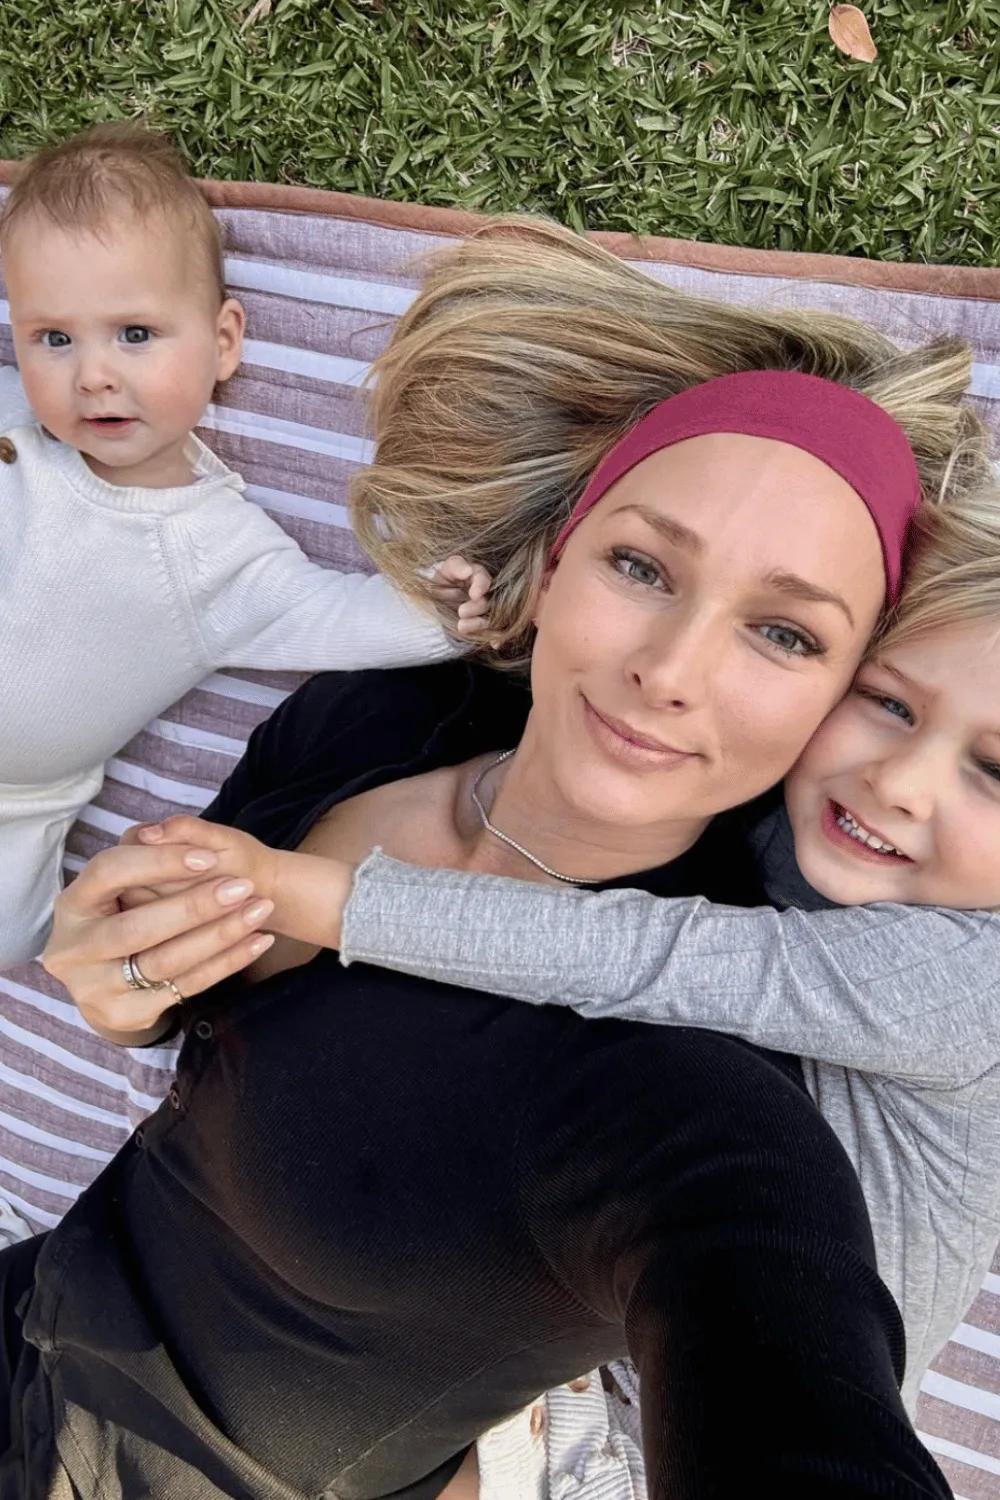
237 854
463 586
308 891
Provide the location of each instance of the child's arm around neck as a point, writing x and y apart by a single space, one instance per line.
908 992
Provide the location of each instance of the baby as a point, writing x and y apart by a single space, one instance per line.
130 564
893 1007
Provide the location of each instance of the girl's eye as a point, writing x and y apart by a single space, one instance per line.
990 768
54 338
894 706
637 568
135 334
786 638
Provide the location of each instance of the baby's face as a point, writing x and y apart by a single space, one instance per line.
897 795
120 341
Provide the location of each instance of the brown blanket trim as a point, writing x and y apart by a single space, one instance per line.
981 283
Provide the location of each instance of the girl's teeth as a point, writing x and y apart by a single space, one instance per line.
855 831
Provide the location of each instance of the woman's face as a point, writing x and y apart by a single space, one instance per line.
700 623
897 796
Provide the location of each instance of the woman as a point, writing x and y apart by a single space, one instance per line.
437 1210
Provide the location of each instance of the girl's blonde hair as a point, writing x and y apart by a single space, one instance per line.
530 351
953 577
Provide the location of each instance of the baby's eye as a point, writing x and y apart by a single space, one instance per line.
637 568
786 638
135 333
54 338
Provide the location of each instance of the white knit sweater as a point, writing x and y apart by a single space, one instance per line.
114 602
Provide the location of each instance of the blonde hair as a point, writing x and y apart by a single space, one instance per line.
953 576
85 182
530 351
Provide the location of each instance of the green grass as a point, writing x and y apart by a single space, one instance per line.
729 120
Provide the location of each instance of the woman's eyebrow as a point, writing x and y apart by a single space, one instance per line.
800 588
681 536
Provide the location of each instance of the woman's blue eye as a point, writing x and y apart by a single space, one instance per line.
791 641
636 568
135 334
54 338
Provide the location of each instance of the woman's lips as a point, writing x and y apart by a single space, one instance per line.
624 744
851 845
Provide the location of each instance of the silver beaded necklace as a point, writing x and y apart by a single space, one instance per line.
505 838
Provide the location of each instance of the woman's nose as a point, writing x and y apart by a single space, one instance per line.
674 663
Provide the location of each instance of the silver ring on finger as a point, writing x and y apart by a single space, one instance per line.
136 979
133 975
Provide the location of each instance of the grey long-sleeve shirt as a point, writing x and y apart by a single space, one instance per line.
895 1009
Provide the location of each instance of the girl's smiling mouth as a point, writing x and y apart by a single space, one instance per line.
850 834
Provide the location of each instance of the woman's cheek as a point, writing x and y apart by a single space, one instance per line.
771 728
585 627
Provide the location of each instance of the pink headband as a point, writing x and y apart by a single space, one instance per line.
842 428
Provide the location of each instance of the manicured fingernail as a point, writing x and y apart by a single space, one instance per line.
150 833
258 912
233 890
200 859
261 944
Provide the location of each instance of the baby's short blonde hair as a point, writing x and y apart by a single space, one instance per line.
84 183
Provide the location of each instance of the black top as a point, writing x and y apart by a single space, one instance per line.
378 1214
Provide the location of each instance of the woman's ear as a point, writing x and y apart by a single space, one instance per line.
232 322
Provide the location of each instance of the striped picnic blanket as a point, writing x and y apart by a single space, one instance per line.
322 277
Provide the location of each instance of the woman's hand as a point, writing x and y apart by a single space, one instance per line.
194 937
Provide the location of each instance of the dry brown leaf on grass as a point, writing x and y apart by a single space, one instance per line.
261 8
849 31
